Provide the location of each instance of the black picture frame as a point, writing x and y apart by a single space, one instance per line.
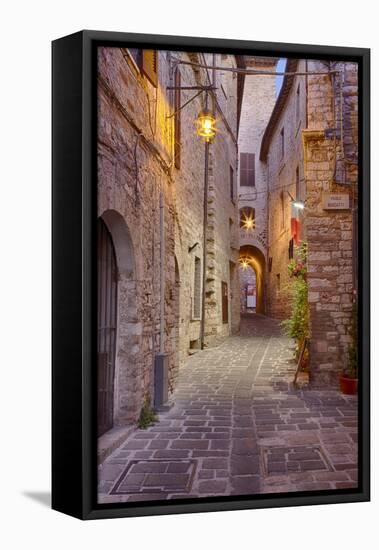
74 207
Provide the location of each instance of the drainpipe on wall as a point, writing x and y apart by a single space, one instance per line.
205 214
161 361
205 220
162 271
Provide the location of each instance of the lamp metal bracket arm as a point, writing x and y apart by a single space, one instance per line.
186 103
203 88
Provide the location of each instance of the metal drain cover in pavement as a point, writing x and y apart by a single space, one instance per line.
287 460
155 476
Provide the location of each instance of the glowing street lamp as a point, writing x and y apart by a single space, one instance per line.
248 223
206 125
298 204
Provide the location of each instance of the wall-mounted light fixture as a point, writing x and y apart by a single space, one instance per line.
206 125
247 222
244 263
296 203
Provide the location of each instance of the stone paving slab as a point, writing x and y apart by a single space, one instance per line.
239 427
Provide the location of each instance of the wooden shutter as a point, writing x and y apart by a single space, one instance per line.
197 289
247 170
177 119
290 249
150 65
224 302
297 183
231 176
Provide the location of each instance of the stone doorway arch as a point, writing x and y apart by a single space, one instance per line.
127 386
254 258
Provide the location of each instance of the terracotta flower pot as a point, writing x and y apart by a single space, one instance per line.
348 386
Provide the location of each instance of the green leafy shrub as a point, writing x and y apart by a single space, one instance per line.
147 415
297 326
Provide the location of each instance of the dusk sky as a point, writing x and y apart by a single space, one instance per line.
279 79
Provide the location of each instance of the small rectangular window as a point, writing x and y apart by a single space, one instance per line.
290 249
298 197
298 102
282 142
225 304
231 180
147 62
197 289
247 170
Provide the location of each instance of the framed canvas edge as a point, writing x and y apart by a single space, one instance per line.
87 494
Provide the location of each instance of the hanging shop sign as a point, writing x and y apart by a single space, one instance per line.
335 201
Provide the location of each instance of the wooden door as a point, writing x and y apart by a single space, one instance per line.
225 302
107 326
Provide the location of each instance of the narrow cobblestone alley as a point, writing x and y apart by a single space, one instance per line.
238 427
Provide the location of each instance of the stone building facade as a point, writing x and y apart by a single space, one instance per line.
257 105
282 154
151 169
331 170
310 148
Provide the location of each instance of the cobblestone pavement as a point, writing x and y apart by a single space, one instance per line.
239 427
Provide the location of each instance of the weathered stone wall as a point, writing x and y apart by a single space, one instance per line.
321 138
281 175
134 150
258 102
330 167
222 225
135 165
222 229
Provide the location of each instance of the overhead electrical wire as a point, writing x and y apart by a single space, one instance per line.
254 73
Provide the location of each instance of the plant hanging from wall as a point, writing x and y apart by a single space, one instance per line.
297 326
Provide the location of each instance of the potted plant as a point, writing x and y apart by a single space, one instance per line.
349 377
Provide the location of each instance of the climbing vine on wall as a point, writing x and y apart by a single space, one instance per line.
297 325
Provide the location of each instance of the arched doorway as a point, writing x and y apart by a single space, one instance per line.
107 326
127 382
252 260
248 286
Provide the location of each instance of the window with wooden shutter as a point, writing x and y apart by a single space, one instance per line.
247 170
297 183
150 65
298 102
231 180
224 303
177 119
290 249
197 289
